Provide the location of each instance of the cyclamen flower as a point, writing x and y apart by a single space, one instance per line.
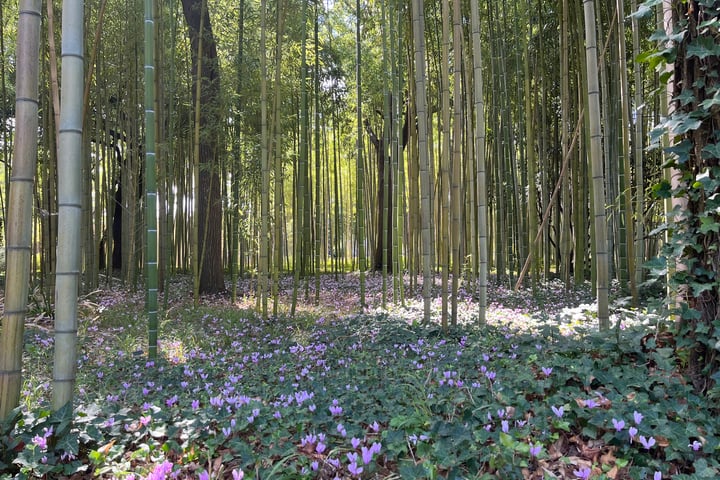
583 473
367 454
657 476
238 474
160 471
204 476
40 442
535 449
559 412
505 426
637 416
618 424
355 442
632 431
695 445
647 442
354 469
547 371
320 447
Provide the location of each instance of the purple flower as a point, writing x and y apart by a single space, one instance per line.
559 412
547 371
535 449
355 442
314 466
335 410
657 476
367 454
490 376
632 431
637 416
695 445
583 473
375 448
591 403
647 442
505 426
618 424
161 471
320 447
204 476
238 474
195 404
40 442
354 469
375 427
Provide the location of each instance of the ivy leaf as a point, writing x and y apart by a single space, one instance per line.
681 124
681 150
711 150
711 102
709 224
645 9
685 97
662 189
703 47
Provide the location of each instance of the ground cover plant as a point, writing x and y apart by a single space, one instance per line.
333 393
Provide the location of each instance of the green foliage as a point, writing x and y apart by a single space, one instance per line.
693 226
256 396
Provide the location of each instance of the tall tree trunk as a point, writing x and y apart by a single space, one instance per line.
209 198
445 160
360 182
277 161
598 184
418 23
69 203
19 222
151 242
300 246
482 221
263 270
455 192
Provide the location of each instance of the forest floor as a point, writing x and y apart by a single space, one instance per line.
339 392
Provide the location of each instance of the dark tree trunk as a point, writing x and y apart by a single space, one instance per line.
698 163
384 177
209 201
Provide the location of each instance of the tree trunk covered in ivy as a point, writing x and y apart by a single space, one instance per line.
694 126
210 202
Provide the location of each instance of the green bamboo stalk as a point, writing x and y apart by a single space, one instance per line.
151 259
20 202
601 253
263 270
638 152
298 238
318 203
481 187
277 163
418 23
360 183
444 160
69 203
455 192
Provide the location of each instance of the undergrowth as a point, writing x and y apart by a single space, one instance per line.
373 395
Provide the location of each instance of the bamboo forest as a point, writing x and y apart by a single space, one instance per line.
360 239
